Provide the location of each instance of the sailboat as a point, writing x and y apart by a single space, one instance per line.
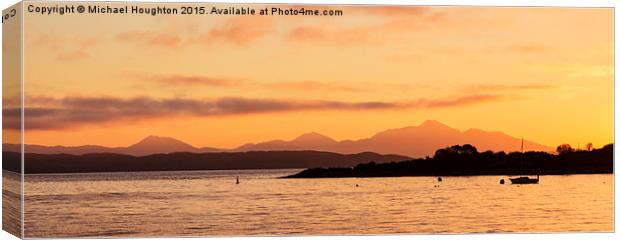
524 179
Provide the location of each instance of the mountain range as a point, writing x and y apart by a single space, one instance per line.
186 161
413 141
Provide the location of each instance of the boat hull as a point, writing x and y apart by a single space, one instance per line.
524 180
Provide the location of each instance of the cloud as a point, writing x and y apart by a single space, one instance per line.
400 58
500 87
313 86
392 19
460 101
529 48
578 70
64 48
238 31
59 113
73 55
392 11
202 80
346 36
185 80
151 38
48 40
245 30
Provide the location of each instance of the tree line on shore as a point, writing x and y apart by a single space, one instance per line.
466 160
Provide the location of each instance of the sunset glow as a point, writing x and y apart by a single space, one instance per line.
222 81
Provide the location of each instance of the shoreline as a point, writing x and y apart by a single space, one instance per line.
291 176
444 176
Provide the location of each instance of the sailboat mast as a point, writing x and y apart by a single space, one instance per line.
521 169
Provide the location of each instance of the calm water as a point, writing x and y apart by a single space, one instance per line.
210 203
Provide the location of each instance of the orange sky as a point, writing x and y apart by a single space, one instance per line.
222 81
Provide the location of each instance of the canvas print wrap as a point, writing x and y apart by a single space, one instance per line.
12 195
199 119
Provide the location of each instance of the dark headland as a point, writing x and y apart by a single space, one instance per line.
186 161
466 160
450 161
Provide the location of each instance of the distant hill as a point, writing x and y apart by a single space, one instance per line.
308 141
147 146
31 148
414 141
185 161
418 141
155 144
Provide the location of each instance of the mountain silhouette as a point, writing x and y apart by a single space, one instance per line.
147 146
412 141
313 139
308 141
155 144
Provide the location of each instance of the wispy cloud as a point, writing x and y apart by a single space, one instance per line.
64 48
503 87
400 58
239 30
459 101
73 55
346 36
529 48
313 86
187 80
58 113
151 38
211 81
392 11
245 30
392 20
575 69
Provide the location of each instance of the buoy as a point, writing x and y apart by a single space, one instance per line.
501 181
357 185
237 179
439 179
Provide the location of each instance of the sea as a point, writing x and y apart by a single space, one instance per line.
211 203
